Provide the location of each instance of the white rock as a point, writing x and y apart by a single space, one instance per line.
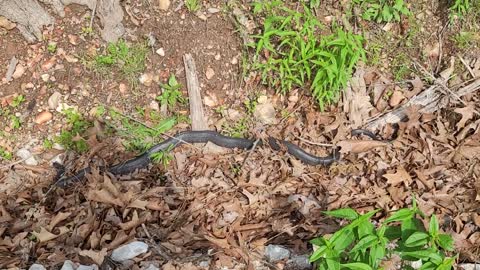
53 100
58 159
129 251
146 79
163 4
154 106
26 155
275 253
300 262
45 77
18 71
213 10
37 266
160 52
68 265
469 266
265 113
151 267
57 146
209 73
87 267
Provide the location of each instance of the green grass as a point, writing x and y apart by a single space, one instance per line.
71 137
47 144
15 121
128 59
193 5
237 129
364 244
382 11
17 101
467 40
291 52
460 9
171 94
4 154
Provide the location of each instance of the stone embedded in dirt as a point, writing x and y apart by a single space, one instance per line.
210 101
19 71
47 65
218 57
129 251
43 117
201 15
265 113
37 266
160 52
27 156
154 106
299 262
146 79
122 88
68 265
262 99
45 77
73 39
164 4
87 267
53 100
152 267
209 73
213 10
275 253
396 98
5 23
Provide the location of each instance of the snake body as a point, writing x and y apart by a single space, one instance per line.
145 159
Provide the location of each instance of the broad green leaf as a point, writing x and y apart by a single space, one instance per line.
447 264
344 240
433 226
445 241
356 266
318 253
417 239
365 228
436 258
365 243
401 215
423 254
428 266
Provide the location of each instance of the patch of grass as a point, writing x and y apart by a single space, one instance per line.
193 5
382 11
17 101
365 244
47 144
87 31
460 9
16 123
466 40
238 129
250 105
291 52
171 94
70 137
129 59
401 66
5 154
163 157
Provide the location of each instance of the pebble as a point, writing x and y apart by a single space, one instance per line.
129 251
152 267
163 4
160 52
469 266
37 266
299 262
275 253
87 267
234 61
122 88
49 64
43 117
146 79
154 106
218 57
19 71
26 155
213 10
209 73
53 100
45 77
68 265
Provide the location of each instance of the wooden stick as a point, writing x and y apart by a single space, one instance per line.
195 98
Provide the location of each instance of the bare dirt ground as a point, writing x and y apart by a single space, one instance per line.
224 206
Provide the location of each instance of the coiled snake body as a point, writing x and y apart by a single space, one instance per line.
145 159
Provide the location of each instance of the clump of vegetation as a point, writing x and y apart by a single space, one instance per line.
171 94
129 59
5 154
460 9
71 137
363 244
52 47
237 129
467 39
291 52
382 10
192 5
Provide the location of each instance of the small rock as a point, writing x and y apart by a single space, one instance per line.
129 251
209 73
68 265
469 266
210 101
70 58
27 156
218 57
265 113
164 4
58 159
299 262
160 52
5 23
275 253
37 266
146 79
49 64
58 146
122 88
43 117
154 106
87 267
213 10
53 100
73 39
19 71
151 267
201 16
262 99
45 77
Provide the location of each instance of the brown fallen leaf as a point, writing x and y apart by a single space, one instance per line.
467 113
61 216
103 196
5 23
401 176
96 256
359 146
44 235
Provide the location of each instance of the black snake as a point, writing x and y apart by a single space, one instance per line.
214 137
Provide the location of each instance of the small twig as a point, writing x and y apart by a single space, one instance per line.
467 67
250 152
13 163
314 143
93 14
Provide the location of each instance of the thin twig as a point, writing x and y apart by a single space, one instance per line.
249 152
93 14
314 143
13 163
467 67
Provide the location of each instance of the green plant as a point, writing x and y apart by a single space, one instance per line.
237 129
70 138
382 10
466 39
129 59
5 154
250 105
52 47
87 31
17 101
163 157
290 52
364 244
192 5
15 122
401 66
171 94
47 143
459 9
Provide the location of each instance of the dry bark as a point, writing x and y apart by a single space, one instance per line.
195 98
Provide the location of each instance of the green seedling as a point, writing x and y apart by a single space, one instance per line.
47 144
163 157
17 101
52 47
70 138
16 123
192 5
5 154
171 94
382 11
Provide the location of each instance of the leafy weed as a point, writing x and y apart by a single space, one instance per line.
171 94
382 11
